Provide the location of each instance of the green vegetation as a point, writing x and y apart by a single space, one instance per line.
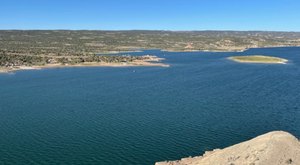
16 60
259 59
28 48
82 43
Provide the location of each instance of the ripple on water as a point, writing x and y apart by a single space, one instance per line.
115 116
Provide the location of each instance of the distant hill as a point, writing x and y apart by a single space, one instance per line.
64 42
41 47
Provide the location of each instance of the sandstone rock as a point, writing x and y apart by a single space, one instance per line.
274 148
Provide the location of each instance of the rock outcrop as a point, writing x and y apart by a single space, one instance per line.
274 148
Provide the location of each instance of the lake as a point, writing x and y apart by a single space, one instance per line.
141 115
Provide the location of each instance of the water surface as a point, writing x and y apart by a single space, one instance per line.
140 115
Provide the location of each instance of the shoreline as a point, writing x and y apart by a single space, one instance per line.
258 62
206 50
229 50
196 50
152 61
119 52
146 62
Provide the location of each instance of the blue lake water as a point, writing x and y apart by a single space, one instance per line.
140 115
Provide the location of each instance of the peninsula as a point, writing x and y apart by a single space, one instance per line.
10 63
258 59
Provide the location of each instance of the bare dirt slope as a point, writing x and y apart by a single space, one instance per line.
274 148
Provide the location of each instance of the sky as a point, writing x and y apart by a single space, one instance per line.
176 15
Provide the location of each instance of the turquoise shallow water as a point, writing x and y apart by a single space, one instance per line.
146 114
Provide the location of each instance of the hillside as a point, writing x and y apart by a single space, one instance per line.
274 148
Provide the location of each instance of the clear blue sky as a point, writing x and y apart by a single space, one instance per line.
272 15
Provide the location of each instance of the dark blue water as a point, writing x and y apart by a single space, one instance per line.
146 114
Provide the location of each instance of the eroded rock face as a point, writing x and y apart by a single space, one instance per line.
274 148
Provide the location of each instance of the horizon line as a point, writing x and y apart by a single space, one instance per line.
58 29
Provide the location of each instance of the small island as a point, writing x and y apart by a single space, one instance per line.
259 59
